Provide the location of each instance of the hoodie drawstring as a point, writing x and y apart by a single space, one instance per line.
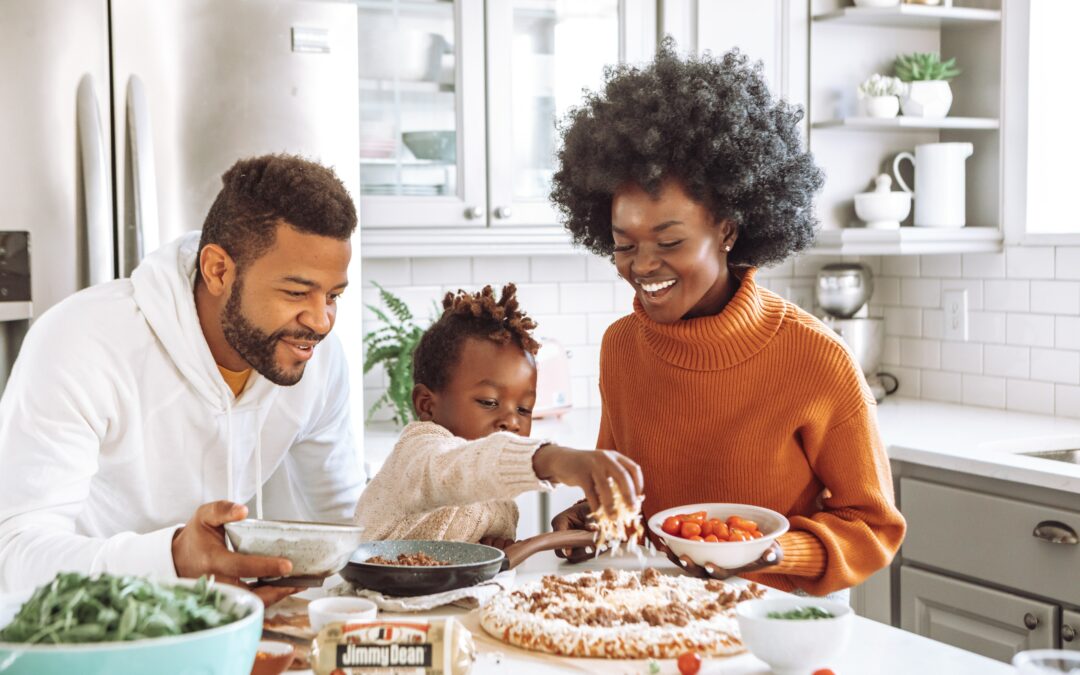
230 493
228 451
258 474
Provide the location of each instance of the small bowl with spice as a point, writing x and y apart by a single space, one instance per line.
794 635
273 657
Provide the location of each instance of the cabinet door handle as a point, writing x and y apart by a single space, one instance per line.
1031 622
474 213
502 212
1055 532
1068 633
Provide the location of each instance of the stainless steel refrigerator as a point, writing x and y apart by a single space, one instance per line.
118 117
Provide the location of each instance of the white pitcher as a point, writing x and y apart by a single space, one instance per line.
939 182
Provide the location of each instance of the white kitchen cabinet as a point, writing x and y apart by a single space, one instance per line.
492 77
1070 630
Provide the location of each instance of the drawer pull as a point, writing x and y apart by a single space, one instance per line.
1055 532
1068 633
1031 622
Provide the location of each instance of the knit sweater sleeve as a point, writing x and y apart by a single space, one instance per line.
859 529
431 468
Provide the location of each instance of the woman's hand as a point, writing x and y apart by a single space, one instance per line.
772 556
574 518
593 471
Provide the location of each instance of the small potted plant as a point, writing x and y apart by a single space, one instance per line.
880 95
927 77
392 345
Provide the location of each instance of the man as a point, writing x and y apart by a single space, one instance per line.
201 383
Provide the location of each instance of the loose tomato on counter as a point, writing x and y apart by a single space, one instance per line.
689 663
699 527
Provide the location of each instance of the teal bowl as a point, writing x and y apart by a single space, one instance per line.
225 650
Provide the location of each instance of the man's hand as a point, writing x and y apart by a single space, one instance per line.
574 518
593 471
199 548
772 556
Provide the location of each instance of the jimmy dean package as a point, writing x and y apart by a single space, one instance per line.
394 647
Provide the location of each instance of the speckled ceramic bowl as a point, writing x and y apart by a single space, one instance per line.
316 550
469 564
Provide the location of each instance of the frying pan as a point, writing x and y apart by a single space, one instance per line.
470 564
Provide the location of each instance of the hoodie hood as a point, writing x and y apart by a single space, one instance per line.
164 290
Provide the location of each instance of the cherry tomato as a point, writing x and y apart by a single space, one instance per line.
711 538
671 525
696 537
756 535
690 529
689 663
719 528
740 535
699 516
824 671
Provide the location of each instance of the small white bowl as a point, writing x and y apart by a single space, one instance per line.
726 554
348 610
882 210
316 550
794 646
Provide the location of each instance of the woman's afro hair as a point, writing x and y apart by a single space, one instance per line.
707 122
470 315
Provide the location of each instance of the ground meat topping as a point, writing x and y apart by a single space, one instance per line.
419 559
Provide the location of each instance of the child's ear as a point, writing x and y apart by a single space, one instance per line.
423 402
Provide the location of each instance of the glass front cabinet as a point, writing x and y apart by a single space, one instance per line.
458 107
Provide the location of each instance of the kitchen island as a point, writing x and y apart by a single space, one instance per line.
874 649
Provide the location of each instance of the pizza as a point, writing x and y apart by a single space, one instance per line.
620 614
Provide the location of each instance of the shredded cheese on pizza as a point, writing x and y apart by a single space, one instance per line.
622 526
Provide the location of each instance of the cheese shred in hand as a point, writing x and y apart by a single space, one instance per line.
622 525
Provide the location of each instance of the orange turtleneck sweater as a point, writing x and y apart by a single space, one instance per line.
760 404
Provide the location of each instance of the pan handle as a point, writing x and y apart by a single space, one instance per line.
518 552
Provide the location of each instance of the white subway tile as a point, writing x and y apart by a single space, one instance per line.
624 297
579 392
984 391
943 266
916 353
595 296
1006 361
1055 365
598 325
1034 330
1009 296
569 329
941 386
1029 396
368 296
442 271
1030 262
974 288
908 380
425 302
984 265
987 327
1055 297
562 268
595 399
890 355
1067 264
900 265
903 321
386 272
374 378
585 361
807 265
886 291
920 292
1066 400
1067 332
601 269
498 271
385 414
539 298
781 270
933 323
961 357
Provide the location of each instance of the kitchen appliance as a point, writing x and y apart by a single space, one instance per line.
881 208
843 289
121 116
939 182
553 383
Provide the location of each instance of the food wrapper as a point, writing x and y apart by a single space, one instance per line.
393 647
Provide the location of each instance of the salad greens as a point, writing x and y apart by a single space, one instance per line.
76 608
802 613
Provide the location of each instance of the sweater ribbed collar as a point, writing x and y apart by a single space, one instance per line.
742 329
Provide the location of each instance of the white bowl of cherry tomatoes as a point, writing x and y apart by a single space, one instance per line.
724 535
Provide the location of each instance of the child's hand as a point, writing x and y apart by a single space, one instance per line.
591 470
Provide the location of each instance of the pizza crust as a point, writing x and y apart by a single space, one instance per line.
552 616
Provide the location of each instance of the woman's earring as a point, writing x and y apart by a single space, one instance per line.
727 248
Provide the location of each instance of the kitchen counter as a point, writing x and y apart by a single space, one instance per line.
874 649
980 441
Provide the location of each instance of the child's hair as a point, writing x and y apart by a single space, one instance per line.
470 315
709 122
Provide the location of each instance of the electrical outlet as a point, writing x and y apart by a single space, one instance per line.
956 314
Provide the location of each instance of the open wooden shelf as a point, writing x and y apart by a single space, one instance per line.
912 16
913 123
907 240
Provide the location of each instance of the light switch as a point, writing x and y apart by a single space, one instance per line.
956 314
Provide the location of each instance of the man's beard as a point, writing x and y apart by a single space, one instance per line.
255 346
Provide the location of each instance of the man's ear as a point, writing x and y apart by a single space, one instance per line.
217 268
423 402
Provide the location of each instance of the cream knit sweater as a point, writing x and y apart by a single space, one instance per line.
435 485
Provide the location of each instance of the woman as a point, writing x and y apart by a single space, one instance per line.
689 176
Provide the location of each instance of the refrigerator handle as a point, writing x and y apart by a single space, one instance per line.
97 193
144 178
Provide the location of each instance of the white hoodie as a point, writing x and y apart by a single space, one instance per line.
116 425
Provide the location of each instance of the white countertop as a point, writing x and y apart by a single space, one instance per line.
981 441
874 648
